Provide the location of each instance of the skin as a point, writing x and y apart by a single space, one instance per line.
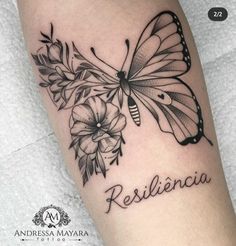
201 215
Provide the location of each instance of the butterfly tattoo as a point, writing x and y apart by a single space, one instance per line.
96 94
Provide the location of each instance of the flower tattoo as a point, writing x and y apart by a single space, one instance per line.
95 128
96 98
97 125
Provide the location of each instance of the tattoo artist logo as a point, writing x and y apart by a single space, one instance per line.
51 216
50 222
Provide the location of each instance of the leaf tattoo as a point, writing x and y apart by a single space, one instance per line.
95 97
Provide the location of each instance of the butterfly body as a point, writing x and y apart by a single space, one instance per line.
149 79
134 111
132 106
153 78
124 83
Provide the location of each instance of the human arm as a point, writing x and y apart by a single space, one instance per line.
199 214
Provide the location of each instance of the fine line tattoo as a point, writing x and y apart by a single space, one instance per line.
95 97
157 186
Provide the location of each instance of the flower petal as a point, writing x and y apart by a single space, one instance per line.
102 136
83 113
98 107
88 145
108 144
118 124
54 52
111 113
81 128
98 135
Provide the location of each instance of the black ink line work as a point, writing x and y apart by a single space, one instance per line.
157 186
95 97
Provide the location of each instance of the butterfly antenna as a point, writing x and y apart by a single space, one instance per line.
94 53
208 140
127 53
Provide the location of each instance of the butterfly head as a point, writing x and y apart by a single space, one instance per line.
121 75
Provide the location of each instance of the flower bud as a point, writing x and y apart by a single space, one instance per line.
54 52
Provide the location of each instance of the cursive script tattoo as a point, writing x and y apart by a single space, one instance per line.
150 75
158 186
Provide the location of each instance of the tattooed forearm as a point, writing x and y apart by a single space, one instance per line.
95 97
117 196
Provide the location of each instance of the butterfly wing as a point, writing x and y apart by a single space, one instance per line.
173 105
161 50
161 55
